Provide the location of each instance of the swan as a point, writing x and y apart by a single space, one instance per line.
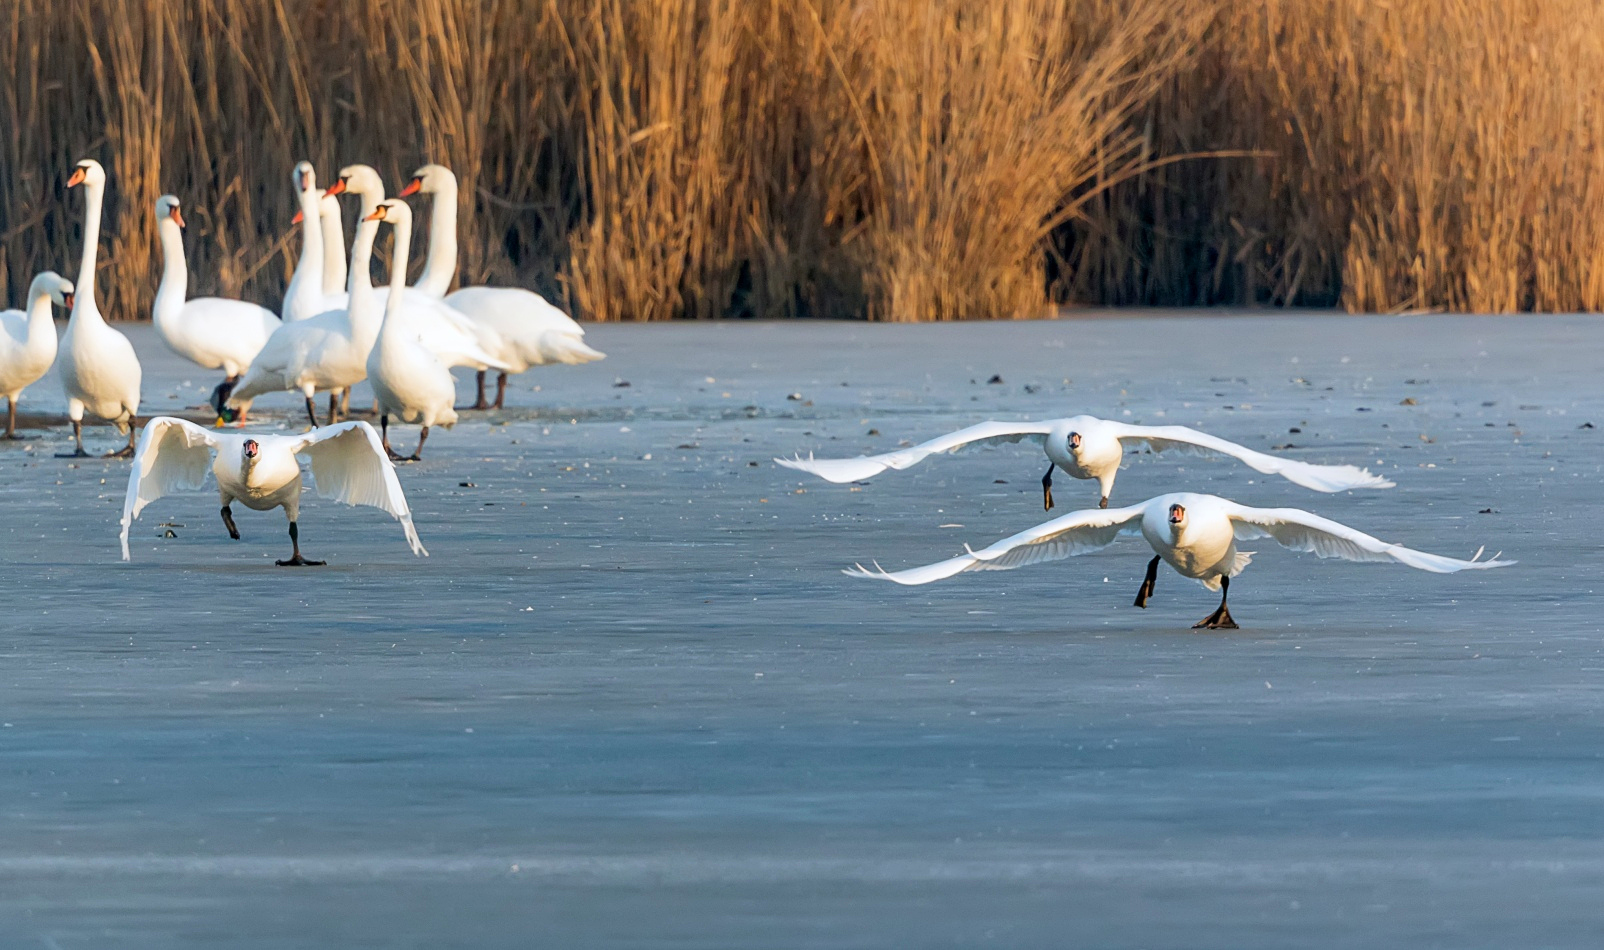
1195 534
446 331
307 294
323 353
333 229
98 368
262 473
518 326
214 332
28 340
407 379
1086 447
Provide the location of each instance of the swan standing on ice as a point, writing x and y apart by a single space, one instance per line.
28 340
97 365
261 472
1089 448
517 326
408 381
1195 534
214 332
308 293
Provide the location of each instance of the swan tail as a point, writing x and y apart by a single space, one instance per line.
566 348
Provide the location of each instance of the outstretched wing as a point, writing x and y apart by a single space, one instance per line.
867 466
1079 532
173 455
350 466
1302 531
1326 478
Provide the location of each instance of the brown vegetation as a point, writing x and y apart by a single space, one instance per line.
900 160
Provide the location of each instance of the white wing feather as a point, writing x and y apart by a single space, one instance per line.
1302 531
1079 532
349 465
867 466
173 455
1326 478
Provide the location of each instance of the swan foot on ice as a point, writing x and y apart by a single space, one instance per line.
228 522
1148 583
296 560
480 402
1221 618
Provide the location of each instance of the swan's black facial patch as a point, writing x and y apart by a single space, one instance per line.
1177 514
1074 440
251 448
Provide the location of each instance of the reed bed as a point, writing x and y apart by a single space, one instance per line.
896 160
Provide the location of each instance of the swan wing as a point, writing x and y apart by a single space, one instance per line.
1326 478
349 465
173 455
867 466
1079 532
1304 531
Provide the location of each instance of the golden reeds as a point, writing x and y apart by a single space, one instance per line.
896 160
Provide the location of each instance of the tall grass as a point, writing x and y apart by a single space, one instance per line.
896 160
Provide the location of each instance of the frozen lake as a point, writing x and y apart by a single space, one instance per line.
630 701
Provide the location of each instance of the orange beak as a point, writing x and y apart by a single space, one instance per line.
178 219
377 215
77 178
413 187
66 300
338 188
299 217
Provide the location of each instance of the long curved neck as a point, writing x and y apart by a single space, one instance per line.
41 321
441 264
84 301
359 311
305 292
333 246
170 295
398 281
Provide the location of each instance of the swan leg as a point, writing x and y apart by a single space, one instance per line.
384 438
295 558
1148 583
345 403
228 522
77 437
1221 618
127 451
334 408
1047 487
417 456
479 403
11 418
501 389
311 412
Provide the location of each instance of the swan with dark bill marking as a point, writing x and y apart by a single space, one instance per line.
1086 447
261 472
1195 534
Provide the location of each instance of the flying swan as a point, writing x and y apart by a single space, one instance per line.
1087 447
1195 534
262 473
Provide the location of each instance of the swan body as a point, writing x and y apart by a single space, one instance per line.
261 473
1089 448
1195 534
98 368
28 340
517 326
213 332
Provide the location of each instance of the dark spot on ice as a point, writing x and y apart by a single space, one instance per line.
466 485
874 432
620 383
1408 401
995 380
1295 430
795 397
1585 425
1488 511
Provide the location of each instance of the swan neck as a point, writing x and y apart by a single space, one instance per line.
306 284
40 319
358 310
333 235
441 264
171 293
398 279
84 299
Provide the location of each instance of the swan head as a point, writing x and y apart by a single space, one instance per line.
87 172
392 211
1073 441
304 176
1177 515
252 449
430 179
358 180
167 207
56 287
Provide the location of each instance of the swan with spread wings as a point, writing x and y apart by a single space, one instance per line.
1086 447
1195 534
262 472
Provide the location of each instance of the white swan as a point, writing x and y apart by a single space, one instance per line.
1195 534
323 353
28 340
518 326
447 333
97 365
1090 448
307 296
333 228
407 379
261 472
214 332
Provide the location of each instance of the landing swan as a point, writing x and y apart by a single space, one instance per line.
1195 534
407 379
213 332
1089 448
97 365
518 326
28 340
261 472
